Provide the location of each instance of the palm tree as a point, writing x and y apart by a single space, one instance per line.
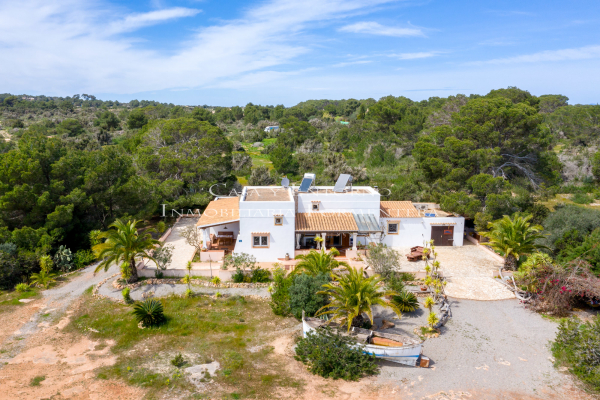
44 278
353 294
318 262
122 245
513 238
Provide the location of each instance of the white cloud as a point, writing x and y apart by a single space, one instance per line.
70 46
415 56
581 53
136 21
375 28
345 64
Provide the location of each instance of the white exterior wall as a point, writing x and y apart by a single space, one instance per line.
416 231
360 203
259 216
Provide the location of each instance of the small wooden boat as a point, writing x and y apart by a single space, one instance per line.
387 346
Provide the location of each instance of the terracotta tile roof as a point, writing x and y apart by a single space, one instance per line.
220 211
325 222
398 209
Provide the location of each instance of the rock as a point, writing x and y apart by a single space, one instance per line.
257 144
202 373
387 324
25 300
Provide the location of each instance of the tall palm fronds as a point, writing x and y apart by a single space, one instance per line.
122 245
318 262
513 238
44 278
353 294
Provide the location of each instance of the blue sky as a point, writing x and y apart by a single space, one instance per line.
283 52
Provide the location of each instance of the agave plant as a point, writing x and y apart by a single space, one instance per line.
405 301
149 313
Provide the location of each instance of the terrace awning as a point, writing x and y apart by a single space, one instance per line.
367 223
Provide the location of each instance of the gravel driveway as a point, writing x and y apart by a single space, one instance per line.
488 350
469 270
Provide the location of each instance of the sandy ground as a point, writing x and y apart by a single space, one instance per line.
33 344
469 270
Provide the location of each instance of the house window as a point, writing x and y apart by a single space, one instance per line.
315 207
393 228
260 241
278 220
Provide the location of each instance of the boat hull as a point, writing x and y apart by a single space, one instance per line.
407 355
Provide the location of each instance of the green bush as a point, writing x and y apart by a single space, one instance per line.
577 346
256 275
83 258
569 218
178 361
303 294
329 355
238 277
582 198
280 293
149 313
126 295
22 287
260 275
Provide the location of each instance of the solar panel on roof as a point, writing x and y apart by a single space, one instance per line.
285 182
342 182
305 185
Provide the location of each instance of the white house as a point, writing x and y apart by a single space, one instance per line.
273 222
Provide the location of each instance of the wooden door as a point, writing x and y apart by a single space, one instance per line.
442 235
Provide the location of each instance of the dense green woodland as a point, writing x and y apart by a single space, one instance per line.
72 165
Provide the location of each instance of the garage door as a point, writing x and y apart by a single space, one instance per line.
442 235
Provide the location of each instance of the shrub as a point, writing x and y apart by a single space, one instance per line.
406 301
577 346
582 198
149 313
568 218
384 260
280 295
178 361
83 258
216 280
260 275
329 355
37 380
238 277
126 295
22 287
303 294
188 293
